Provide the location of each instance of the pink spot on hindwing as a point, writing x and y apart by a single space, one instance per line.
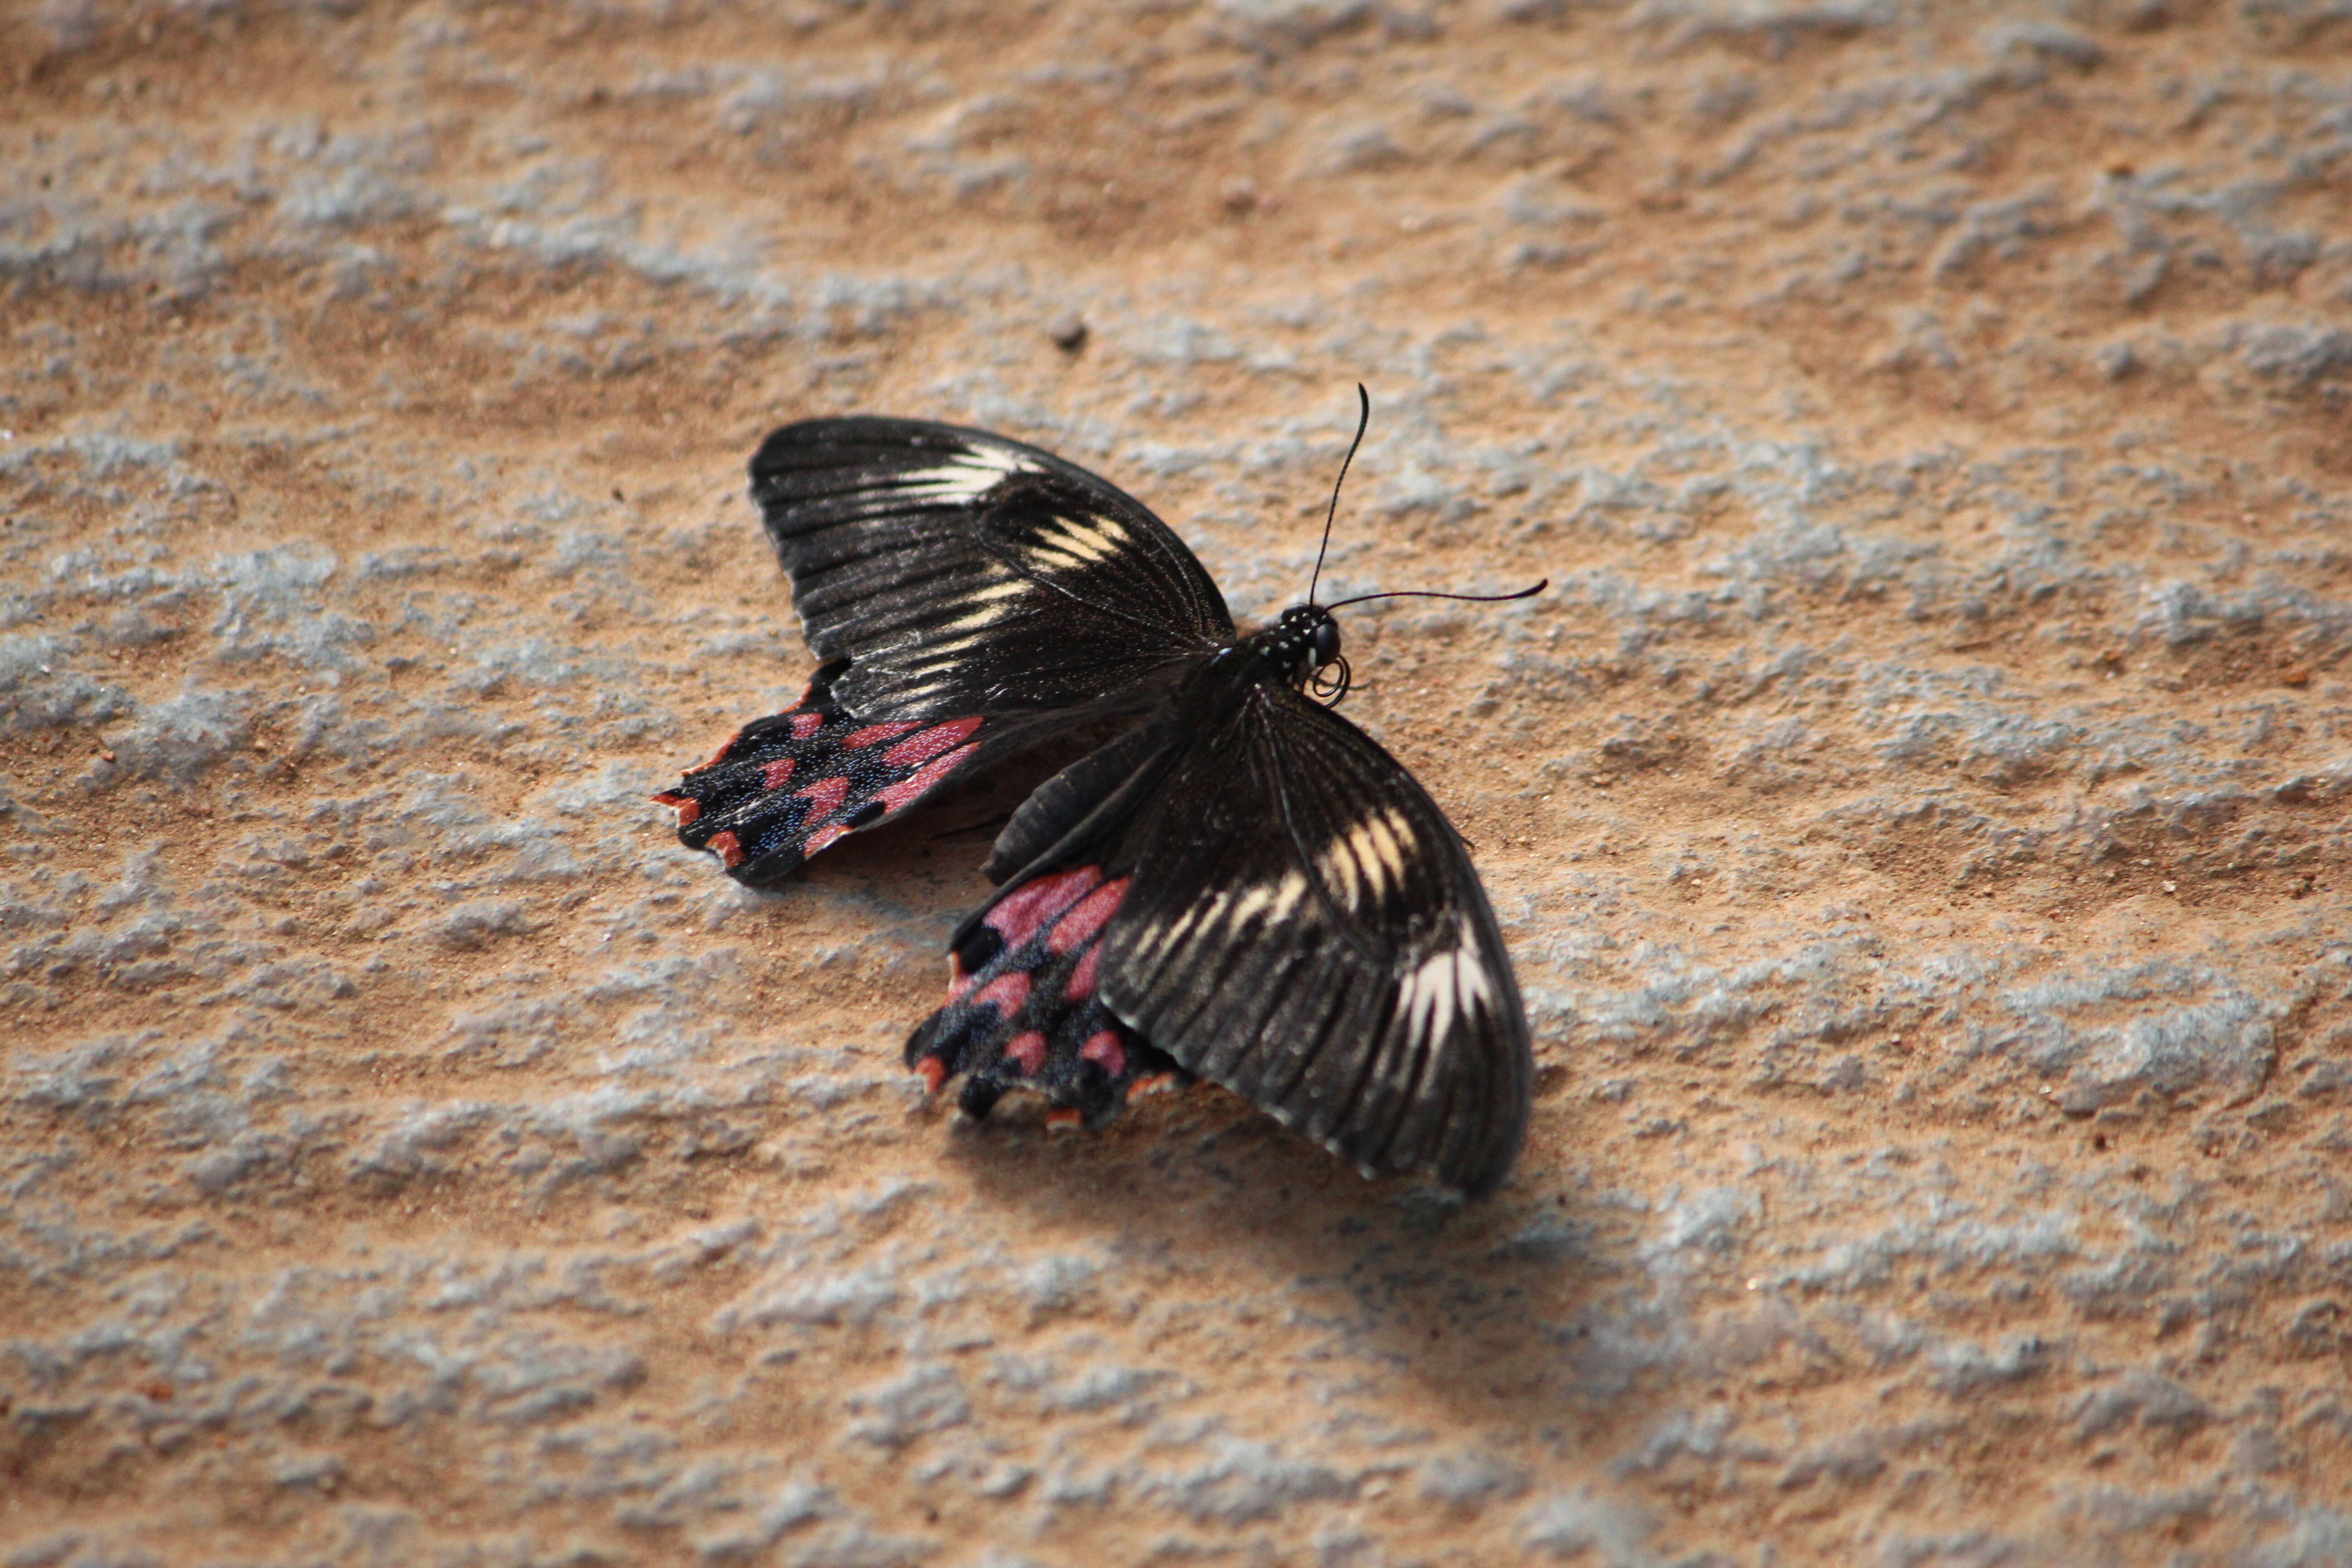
773 775
1082 978
1017 916
1028 1049
922 748
909 790
805 725
1085 922
874 734
824 798
1104 1047
1006 993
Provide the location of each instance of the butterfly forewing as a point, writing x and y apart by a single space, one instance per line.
966 573
1303 926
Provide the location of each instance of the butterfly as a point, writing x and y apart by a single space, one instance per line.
1237 884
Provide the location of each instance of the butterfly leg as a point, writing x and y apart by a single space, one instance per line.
1023 1011
785 787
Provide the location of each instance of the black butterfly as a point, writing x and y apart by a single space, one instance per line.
1242 887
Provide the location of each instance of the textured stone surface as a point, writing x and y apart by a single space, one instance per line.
1918 813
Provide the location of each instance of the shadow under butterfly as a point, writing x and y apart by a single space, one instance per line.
1240 886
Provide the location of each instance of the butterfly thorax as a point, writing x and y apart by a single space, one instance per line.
1302 640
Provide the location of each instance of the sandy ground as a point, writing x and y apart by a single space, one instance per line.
1919 812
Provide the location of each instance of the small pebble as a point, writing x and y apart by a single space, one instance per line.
1069 331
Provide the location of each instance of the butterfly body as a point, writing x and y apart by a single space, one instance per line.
1239 885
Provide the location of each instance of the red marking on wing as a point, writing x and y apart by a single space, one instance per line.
1158 1083
805 724
899 796
934 1071
686 809
1064 1118
874 734
1017 916
1029 1050
729 850
824 798
720 754
1082 978
1104 1047
823 836
922 748
1085 922
1006 993
773 775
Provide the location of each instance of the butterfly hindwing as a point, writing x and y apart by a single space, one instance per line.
787 785
1024 1006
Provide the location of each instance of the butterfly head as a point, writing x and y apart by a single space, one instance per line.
1303 647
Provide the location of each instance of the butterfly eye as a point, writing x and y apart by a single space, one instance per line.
1327 642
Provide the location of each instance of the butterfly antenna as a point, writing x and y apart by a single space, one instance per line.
1426 594
1364 418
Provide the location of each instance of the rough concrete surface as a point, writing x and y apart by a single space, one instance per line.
1919 812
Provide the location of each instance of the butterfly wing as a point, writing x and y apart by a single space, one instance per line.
1272 902
967 593
1307 930
785 787
963 573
